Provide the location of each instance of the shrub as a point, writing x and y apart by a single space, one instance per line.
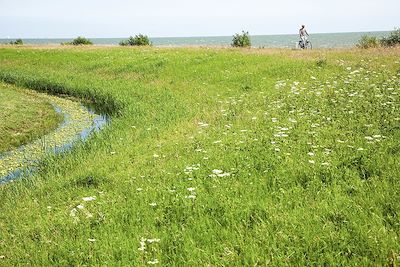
393 39
138 40
368 42
17 42
79 41
241 40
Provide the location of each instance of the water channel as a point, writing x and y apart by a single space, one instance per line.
79 122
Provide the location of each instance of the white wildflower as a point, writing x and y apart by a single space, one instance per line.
217 171
203 124
142 244
73 212
153 240
153 262
89 198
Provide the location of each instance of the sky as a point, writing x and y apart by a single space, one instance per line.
176 18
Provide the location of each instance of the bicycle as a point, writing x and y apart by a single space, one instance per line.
302 45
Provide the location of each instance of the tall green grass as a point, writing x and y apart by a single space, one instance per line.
213 157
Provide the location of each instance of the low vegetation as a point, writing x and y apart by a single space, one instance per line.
220 157
79 41
138 40
241 40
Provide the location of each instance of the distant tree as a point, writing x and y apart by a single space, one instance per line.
17 42
241 40
138 40
79 41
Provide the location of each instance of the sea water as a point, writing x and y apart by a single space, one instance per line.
319 40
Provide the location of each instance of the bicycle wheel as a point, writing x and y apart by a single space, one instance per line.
308 45
300 44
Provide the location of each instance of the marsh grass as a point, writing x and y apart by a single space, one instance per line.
216 157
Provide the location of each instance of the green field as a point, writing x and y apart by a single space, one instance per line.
25 116
218 157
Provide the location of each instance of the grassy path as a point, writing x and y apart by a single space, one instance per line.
24 117
214 157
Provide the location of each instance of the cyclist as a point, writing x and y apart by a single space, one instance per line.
303 35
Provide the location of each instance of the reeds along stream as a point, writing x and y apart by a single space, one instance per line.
78 124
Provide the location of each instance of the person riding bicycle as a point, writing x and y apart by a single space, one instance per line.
303 35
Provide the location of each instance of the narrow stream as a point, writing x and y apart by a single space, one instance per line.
78 124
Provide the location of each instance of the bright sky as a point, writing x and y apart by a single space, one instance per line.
158 18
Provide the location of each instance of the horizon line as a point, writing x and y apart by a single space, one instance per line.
193 36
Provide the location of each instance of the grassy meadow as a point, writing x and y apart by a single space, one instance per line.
221 157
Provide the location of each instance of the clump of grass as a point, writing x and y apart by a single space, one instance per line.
241 40
138 40
368 42
79 41
321 62
393 39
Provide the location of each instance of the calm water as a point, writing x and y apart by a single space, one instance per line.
98 122
320 40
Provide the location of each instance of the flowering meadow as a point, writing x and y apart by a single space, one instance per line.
212 157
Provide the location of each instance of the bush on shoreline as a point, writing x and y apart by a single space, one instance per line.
393 39
17 42
138 40
372 42
241 40
79 41
368 42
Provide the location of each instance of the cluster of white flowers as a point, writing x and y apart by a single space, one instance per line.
219 173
